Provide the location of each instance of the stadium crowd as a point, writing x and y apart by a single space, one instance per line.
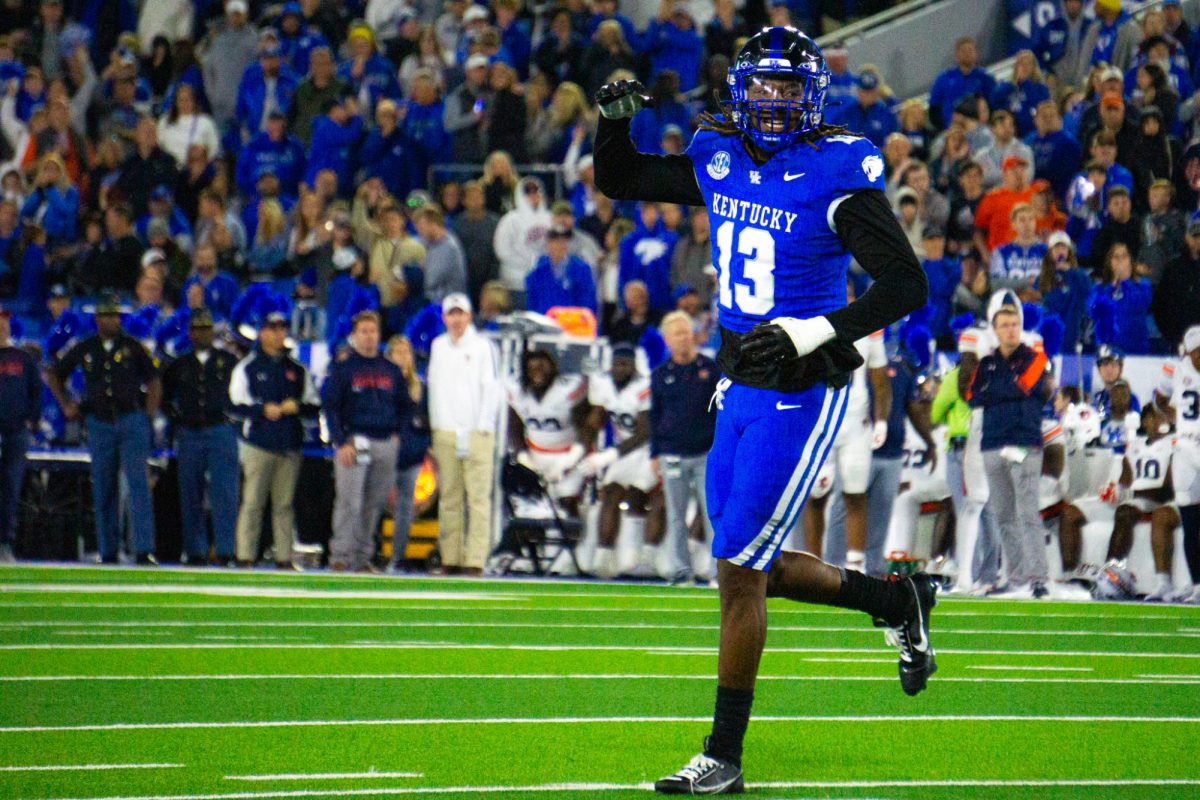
239 177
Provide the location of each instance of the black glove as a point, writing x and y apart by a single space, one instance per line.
766 342
622 99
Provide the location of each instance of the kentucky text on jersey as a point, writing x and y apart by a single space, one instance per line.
753 213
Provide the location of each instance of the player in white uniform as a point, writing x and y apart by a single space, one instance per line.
547 412
1146 477
863 429
1178 395
626 474
919 484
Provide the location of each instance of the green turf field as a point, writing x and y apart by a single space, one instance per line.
213 685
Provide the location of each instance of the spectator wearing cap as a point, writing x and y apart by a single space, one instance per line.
869 116
1176 303
464 407
1163 230
1056 153
649 125
1012 385
161 206
1004 144
967 115
1022 93
943 273
298 38
645 255
20 411
146 167
520 236
993 217
445 263
335 136
559 278
270 393
1017 263
1114 40
475 229
368 74
1064 287
1120 225
122 392
319 86
464 112
267 86
272 150
218 289
964 78
1118 305
195 397
388 152
673 43
365 400
582 244
1110 363
226 53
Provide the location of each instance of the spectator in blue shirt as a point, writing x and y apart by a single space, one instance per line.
388 153
1023 93
1118 306
215 290
1017 264
963 79
648 125
944 273
1056 153
841 79
603 10
869 116
421 117
369 75
514 35
54 202
266 87
162 206
1064 287
559 278
297 38
275 150
645 255
334 135
673 43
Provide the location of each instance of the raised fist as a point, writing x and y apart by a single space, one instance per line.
621 99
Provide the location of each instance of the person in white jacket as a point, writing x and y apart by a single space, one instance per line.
169 18
464 406
521 235
185 125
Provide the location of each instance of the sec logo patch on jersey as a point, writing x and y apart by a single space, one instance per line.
872 166
718 165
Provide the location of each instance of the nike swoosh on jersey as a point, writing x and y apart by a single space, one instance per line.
787 176
781 407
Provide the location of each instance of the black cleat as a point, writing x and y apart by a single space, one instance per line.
917 661
703 775
146 560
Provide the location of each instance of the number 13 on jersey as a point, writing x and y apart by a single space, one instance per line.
754 293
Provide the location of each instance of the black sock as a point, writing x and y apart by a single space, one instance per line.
881 599
730 719
1190 517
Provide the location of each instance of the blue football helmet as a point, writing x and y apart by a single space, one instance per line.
777 83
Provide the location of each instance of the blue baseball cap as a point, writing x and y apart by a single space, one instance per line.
271 51
867 81
1106 353
1194 222
682 290
291 8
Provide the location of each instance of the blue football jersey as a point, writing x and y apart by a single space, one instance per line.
773 238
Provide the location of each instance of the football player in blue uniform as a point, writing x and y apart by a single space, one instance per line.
790 200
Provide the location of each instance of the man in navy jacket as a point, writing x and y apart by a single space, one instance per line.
270 392
1012 386
365 399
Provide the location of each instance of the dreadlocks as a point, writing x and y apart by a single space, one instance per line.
725 127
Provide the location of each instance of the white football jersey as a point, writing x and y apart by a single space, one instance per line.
1181 382
623 405
548 423
1149 462
916 455
1050 490
874 355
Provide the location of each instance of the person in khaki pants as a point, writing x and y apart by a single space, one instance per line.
464 402
270 392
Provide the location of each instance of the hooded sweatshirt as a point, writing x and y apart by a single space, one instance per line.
520 238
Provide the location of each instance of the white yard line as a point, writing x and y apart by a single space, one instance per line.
1029 669
648 649
248 590
633 626
324 776
327 723
614 787
1167 680
1177 675
84 767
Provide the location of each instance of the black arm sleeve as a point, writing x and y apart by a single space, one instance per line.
870 232
623 173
